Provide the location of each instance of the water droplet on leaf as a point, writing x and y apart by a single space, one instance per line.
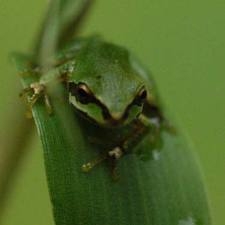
187 221
156 154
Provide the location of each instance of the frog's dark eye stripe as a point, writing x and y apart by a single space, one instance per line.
105 113
81 92
72 88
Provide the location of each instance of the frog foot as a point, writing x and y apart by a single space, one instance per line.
114 154
90 165
34 92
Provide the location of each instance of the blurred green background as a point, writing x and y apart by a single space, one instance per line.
181 42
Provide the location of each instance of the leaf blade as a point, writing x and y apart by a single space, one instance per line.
167 190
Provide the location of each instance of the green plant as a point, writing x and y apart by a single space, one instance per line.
165 190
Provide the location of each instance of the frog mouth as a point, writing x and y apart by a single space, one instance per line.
112 122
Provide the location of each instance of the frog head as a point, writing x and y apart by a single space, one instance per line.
104 87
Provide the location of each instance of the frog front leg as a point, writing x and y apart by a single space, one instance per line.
143 125
139 131
38 89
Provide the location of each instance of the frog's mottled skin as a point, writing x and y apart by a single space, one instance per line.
113 94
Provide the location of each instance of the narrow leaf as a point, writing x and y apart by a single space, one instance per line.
164 190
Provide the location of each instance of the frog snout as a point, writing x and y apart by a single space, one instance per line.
115 118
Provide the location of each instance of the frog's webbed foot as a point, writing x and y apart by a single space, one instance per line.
113 156
34 92
90 165
116 153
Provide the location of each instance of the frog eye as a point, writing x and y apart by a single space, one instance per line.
81 92
140 97
142 94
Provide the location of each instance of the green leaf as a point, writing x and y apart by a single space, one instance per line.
166 190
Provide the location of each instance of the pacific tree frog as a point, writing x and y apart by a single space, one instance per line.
111 93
